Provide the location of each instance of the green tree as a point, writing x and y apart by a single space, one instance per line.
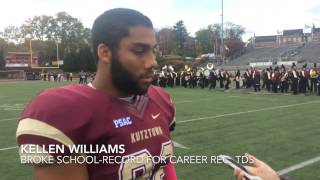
233 31
47 51
68 31
2 60
39 27
190 47
12 34
80 60
180 37
205 38
234 48
165 41
86 59
70 62
208 39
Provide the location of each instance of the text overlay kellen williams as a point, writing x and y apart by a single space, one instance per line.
108 154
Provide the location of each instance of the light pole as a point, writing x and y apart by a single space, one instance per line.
195 48
222 43
57 43
30 49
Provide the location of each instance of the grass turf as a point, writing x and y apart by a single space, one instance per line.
282 130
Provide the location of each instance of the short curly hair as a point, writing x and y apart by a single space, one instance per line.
113 25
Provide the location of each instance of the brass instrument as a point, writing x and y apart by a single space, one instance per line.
284 77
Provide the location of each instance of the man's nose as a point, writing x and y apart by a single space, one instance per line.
151 61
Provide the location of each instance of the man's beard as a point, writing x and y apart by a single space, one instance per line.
125 81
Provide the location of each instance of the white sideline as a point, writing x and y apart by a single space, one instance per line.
9 119
245 112
176 144
7 148
299 166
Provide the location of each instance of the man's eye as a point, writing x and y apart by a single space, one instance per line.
140 52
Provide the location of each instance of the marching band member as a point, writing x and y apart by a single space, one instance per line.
275 77
256 80
284 81
268 83
303 80
237 79
212 79
227 79
221 78
264 78
318 82
247 75
313 78
294 79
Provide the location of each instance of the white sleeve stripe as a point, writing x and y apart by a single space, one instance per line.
30 126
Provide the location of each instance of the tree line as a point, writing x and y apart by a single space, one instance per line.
73 40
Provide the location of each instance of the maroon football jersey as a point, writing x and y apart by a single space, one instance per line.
79 114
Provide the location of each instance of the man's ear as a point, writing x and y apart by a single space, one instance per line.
104 53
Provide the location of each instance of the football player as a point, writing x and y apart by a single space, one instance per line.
120 107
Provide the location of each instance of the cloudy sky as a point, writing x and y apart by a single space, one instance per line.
262 17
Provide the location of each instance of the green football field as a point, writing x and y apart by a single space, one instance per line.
282 130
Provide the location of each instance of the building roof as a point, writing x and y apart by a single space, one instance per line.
293 32
307 34
316 30
265 39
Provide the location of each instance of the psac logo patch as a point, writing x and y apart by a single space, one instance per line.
121 122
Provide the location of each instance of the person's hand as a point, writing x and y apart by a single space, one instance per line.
260 169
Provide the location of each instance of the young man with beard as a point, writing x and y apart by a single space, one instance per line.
120 107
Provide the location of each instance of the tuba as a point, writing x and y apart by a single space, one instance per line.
164 68
170 68
187 69
209 67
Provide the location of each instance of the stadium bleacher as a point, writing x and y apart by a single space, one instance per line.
264 55
302 53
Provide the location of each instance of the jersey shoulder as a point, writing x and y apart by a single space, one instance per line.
57 103
159 94
61 114
164 101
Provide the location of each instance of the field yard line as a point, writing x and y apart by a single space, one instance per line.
9 119
245 112
7 148
299 166
12 109
186 101
202 99
176 144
